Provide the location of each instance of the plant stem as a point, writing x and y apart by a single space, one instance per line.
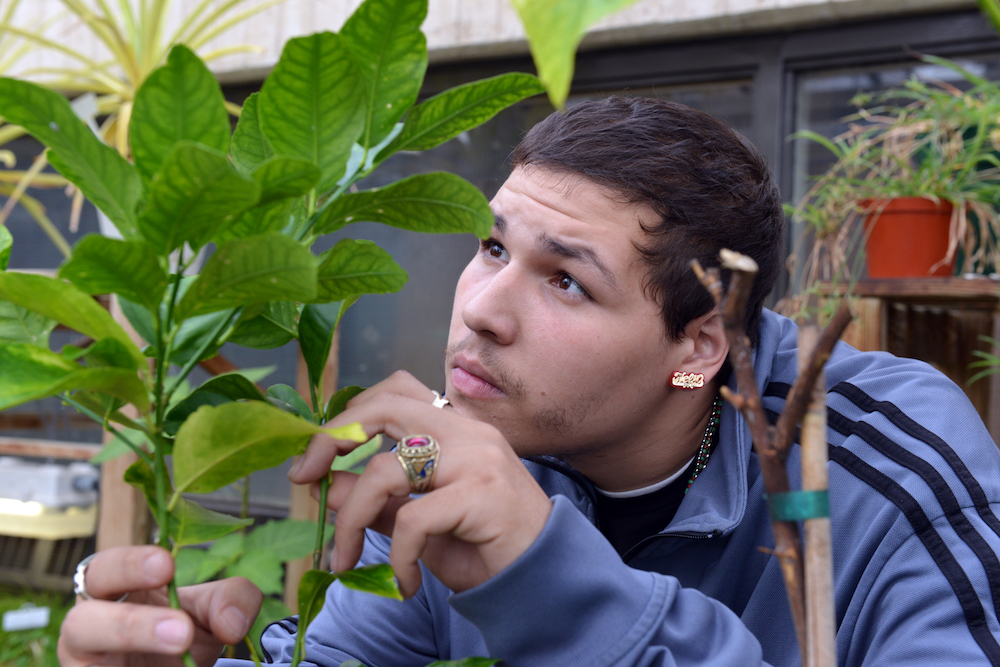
324 488
79 407
209 341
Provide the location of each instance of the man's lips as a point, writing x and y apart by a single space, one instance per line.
470 379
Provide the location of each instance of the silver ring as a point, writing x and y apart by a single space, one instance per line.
439 400
418 454
80 580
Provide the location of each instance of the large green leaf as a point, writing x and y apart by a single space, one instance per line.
65 303
465 662
187 562
196 195
458 109
262 219
275 325
316 326
218 445
250 148
391 54
20 325
257 269
192 334
222 554
289 400
338 402
287 539
131 269
190 523
554 29
6 241
216 391
103 176
357 267
309 104
261 567
437 202
377 579
179 101
31 373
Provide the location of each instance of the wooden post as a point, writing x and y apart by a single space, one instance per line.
124 515
821 647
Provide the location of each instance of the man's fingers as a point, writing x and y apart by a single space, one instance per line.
116 571
227 607
98 627
383 479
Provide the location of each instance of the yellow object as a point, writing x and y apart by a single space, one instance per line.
31 519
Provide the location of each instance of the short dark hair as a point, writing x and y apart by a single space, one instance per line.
709 185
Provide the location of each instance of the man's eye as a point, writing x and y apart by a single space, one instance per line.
570 284
494 249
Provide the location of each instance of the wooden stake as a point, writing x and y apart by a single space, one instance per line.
821 643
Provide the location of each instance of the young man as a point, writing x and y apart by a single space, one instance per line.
588 507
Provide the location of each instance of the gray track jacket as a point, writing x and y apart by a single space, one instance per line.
915 482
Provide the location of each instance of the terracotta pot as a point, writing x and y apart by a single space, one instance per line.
907 237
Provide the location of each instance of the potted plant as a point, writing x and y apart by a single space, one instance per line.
921 159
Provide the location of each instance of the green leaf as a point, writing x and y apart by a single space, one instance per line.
354 459
377 579
287 539
103 176
30 373
258 269
108 352
339 401
222 554
191 335
187 563
65 303
276 324
465 662
189 522
131 269
272 217
357 267
250 148
309 107
6 241
390 52
448 114
180 101
316 326
140 317
437 202
261 567
20 325
218 445
197 194
216 391
116 446
312 591
554 29
289 400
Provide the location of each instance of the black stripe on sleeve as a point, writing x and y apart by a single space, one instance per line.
972 607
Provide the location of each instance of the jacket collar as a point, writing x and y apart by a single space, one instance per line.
717 501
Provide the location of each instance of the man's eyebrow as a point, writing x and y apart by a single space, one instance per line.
584 255
499 223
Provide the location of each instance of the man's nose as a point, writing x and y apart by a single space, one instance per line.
493 310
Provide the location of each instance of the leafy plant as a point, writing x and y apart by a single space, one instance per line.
137 43
334 108
930 140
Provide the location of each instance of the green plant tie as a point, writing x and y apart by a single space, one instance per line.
798 505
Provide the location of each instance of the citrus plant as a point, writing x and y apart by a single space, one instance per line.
334 108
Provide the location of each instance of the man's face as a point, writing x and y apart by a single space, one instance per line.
553 339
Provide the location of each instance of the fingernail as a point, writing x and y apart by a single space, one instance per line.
172 632
234 621
295 467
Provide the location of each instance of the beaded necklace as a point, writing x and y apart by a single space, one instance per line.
707 442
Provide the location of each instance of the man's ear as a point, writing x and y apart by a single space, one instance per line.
707 345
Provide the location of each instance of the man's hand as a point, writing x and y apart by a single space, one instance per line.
483 512
144 630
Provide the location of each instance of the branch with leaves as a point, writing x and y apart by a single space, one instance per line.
771 443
